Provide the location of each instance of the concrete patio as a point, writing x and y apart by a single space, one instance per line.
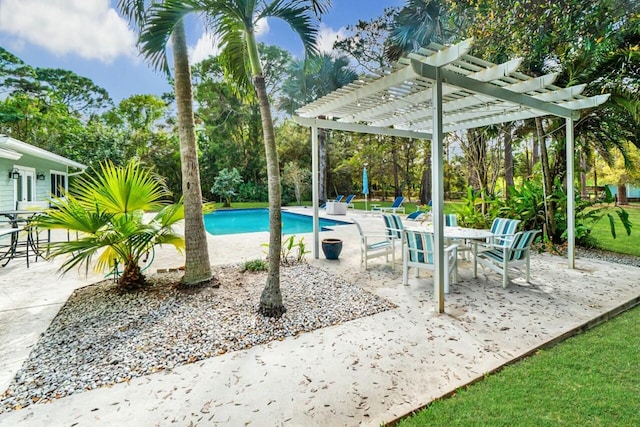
365 372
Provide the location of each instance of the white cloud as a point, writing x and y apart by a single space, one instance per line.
90 29
327 36
207 45
262 27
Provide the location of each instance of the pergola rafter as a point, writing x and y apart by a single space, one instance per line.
443 89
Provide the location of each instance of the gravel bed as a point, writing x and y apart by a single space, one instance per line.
103 336
608 256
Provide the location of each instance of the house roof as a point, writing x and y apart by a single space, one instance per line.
397 100
13 149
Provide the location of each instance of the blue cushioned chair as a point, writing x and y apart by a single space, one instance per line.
511 253
418 253
395 207
395 229
349 201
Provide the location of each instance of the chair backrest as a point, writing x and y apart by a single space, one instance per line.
450 220
359 227
393 224
338 198
504 227
349 198
397 202
521 243
419 246
415 215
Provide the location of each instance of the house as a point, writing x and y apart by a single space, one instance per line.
31 174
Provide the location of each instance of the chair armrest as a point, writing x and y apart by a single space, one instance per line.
451 247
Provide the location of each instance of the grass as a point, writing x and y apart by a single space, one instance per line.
590 380
624 244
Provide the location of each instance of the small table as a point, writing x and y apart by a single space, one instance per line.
336 208
13 247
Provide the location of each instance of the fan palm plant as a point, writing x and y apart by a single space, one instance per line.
235 22
107 212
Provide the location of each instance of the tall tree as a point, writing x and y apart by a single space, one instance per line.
235 22
308 82
197 265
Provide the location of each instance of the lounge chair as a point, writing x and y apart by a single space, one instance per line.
374 244
349 200
418 253
395 207
418 215
337 199
501 257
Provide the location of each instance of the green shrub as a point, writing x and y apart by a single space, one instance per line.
255 265
107 210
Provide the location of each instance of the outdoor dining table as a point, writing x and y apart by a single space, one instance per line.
20 220
472 235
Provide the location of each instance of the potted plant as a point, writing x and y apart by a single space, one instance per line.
331 247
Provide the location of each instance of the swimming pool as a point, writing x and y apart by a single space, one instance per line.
236 221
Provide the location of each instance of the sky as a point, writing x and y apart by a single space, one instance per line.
90 38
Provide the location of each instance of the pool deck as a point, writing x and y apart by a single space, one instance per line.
367 371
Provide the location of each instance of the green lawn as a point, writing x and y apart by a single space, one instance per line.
589 380
624 244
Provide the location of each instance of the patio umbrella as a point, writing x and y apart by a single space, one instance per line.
365 186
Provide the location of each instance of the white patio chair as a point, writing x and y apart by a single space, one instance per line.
418 253
501 257
375 244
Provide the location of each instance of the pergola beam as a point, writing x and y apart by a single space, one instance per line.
395 78
356 127
494 91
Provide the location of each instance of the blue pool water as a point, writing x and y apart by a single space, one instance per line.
235 221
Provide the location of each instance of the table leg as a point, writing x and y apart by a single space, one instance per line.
475 259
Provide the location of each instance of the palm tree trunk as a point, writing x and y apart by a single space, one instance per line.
508 160
322 165
197 265
271 299
546 177
584 193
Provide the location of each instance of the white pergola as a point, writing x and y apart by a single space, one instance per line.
442 89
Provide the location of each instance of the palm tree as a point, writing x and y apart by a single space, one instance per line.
197 265
308 82
107 212
235 21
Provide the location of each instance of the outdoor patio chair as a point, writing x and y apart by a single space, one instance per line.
503 230
395 229
395 207
418 253
450 220
349 200
416 216
501 257
375 244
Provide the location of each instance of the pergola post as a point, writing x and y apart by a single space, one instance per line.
571 197
315 172
438 194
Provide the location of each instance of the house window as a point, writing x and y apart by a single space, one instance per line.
58 183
